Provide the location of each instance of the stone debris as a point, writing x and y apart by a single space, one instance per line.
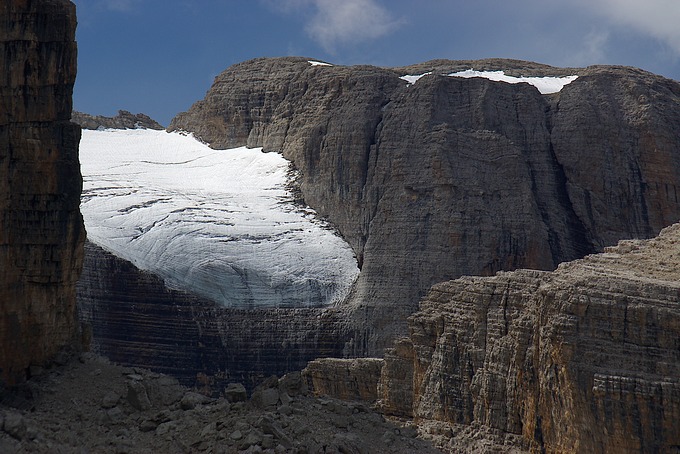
114 410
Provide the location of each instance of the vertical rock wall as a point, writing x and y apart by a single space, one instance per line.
582 359
41 230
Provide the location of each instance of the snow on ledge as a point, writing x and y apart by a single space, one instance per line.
413 79
318 63
545 85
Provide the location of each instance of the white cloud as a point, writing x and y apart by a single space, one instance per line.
592 50
657 18
335 23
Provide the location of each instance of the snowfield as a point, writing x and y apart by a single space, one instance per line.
545 85
218 223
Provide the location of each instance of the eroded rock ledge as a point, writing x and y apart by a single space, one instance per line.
582 359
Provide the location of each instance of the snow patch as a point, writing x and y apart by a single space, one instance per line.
318 63
545 85
413 79
219 223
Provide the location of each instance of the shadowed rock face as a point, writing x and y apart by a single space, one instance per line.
449 176
134 319
582 359
41 230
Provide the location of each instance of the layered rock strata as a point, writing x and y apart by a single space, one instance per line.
346 379
124 120
582 359
451 176
41 230
134 319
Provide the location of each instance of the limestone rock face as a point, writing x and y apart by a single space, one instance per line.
41 230
346 379
582 359
451 176
615 133
134 319
124 120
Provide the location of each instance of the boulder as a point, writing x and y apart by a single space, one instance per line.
235 392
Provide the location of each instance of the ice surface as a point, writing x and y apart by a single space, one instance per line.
219 223
545 85
318 63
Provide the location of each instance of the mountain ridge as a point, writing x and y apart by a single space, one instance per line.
418 178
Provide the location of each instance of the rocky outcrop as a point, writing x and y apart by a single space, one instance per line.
582 359
451 176
346 379
41 230
134 319
124 120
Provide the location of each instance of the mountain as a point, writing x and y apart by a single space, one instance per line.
452 176
41 229
124 120
427 177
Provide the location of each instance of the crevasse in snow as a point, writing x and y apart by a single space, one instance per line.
219 223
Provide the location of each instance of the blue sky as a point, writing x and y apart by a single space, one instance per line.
160 56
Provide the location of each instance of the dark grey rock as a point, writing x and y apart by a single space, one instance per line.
235 392
137 396
263 398
293 384
148 425
110 399
252 439
192 400
115 414
164 390
15 425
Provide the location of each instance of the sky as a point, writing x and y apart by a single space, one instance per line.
158 57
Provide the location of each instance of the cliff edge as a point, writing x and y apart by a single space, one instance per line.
41 229
582 359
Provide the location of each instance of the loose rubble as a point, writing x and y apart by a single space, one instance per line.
91 405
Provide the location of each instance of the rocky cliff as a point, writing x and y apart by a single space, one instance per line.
134 319
124 120
582 359
451 176
41 230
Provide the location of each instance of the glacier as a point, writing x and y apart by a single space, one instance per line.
222 224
